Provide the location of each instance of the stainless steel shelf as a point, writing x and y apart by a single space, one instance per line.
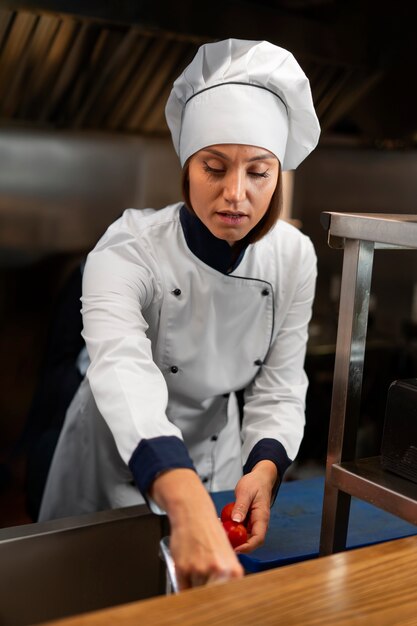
366 479
358 235
392 230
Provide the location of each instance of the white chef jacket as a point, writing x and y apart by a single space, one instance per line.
170 338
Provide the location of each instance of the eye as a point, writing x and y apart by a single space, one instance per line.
216 171
264 174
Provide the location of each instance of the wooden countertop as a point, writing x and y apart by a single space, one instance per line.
375 585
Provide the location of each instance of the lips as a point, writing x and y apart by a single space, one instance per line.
232 213
232 217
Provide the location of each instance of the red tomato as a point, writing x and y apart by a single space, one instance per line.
226 514
228 524
236 532
237 535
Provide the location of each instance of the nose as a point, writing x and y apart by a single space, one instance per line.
234 190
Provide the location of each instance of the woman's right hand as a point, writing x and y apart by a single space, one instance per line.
199 546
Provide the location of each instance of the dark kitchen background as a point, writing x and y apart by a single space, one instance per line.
83 86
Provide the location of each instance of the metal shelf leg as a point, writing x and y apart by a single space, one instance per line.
347 386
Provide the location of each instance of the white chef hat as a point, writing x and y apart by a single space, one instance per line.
244 92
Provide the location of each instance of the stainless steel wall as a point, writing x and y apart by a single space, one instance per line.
60 190
58 193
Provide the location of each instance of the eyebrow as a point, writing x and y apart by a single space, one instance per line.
259 157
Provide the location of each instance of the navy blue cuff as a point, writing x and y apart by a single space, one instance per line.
153 456
269 450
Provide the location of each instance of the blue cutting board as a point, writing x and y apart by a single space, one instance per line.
294 530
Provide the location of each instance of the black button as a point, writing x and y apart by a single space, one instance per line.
265 292
205 479
258 362
174 369
176 292
214 438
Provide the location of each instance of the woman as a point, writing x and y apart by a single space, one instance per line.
184 306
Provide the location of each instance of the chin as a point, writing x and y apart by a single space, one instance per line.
230 239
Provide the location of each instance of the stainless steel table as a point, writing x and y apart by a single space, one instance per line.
359 235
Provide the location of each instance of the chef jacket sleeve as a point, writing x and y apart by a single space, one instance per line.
274 409
120 281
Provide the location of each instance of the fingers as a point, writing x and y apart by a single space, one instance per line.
244 548
187 581
215 579
256 541
242 506
198 579
257 535
249 495
184 582
253 495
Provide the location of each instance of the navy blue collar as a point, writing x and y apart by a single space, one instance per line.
212 251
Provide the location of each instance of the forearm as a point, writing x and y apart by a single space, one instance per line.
180 493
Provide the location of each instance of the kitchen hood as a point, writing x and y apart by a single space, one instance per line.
110 65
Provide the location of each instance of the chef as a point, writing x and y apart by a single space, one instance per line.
184 306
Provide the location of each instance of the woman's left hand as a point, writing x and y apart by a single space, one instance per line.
253 501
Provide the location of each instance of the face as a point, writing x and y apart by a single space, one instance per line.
231 187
